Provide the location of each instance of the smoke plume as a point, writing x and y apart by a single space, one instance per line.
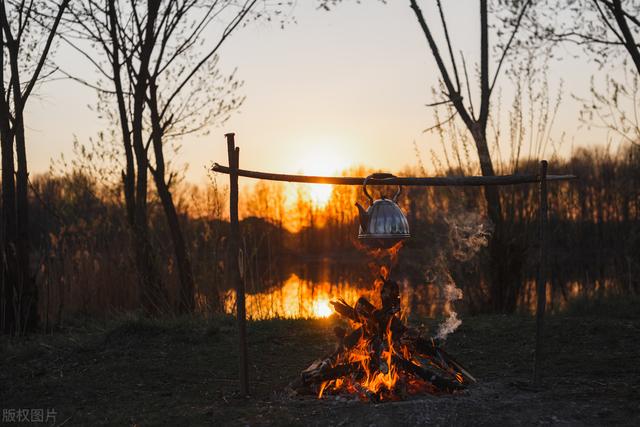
467 234
452 322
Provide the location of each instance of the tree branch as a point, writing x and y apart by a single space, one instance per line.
453 93
449 45
227 32
466 78
45 52
485 92
630 42
442 123
508 45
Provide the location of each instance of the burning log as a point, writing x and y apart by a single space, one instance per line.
382 359
328 372
390 296
364 308
439 381
430 349
344 309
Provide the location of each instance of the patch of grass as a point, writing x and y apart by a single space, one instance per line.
619 307
183 371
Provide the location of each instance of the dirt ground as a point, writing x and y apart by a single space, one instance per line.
183 372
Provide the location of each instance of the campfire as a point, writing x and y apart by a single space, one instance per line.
381 358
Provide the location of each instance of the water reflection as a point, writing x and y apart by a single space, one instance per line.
305 298
300 298
296 298
560 294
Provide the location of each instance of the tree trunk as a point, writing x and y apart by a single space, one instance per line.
8 230
25 290
23 294
187 286
9 236
28 294
135 185
505 253
153 292
128 175
152 289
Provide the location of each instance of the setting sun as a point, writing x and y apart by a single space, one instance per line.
320 193
321 159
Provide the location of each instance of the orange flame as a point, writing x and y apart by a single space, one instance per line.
384 272
382 253
375 381
375 365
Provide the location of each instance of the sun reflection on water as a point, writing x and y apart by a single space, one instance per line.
296 298
321 308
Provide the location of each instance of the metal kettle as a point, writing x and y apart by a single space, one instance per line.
383 224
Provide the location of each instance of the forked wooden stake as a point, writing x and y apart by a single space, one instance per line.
541 286
233 275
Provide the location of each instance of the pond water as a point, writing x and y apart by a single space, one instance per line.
300 297
296 298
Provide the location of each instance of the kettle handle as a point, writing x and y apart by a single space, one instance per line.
380 175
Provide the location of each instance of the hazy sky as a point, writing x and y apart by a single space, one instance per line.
336 89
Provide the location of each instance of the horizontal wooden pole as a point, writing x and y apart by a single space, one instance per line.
408 181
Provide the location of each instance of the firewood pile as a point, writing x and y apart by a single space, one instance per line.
381 358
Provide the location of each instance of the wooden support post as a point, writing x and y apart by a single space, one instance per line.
233 275
541 285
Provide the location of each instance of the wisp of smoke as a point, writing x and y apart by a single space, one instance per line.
451 293
468 233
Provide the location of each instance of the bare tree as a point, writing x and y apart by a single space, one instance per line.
614 108
160 63
186 105
28 29
99 23
457 94
603 28
608 31
505 274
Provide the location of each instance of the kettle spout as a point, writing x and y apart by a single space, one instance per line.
364 217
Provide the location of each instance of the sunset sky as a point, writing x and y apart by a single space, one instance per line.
335 89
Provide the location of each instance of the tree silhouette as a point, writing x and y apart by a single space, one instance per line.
160 64
28 29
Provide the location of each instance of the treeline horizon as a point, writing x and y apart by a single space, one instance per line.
85 265
123 233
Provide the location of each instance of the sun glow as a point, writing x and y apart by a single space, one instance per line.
320 193
321 308
321 160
